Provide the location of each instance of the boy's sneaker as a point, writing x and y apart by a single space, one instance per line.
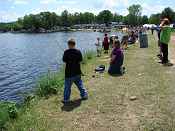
65 102
168 64
159 56
160 62
84 98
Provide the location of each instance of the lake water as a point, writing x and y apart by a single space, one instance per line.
26 57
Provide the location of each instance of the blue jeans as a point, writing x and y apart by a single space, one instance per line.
68 84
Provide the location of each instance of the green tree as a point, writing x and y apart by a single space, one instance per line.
76 18
105 17
89 18
65 18
117 17
168 13
27 21
144 20
155 19
125 20
135 12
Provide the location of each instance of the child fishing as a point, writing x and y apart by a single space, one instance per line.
72 57
98 47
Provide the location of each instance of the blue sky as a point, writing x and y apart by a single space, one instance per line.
10 10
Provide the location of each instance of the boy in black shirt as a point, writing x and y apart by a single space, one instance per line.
73 57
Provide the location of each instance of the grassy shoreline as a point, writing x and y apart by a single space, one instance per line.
109 106
47 86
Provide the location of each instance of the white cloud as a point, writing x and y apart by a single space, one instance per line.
115 3
20 2
38 10
12 7
8 16
48 1
60 2
148 9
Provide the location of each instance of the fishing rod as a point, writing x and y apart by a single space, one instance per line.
61 51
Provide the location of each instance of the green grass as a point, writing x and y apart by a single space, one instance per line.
88 55
173 30
109 106
7 111
48 85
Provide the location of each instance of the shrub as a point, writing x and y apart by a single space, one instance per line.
50 84
8 110
88 55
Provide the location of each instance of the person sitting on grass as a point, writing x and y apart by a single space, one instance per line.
165 37
117 58
73 57
98 46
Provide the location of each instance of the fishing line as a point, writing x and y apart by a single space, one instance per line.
61 51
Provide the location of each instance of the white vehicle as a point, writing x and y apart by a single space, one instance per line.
149 26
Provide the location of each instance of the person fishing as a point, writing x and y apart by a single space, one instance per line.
165 37
98 47
73 57
106 44
117 58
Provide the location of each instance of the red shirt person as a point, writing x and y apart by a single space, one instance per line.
106 43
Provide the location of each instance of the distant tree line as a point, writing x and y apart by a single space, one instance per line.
167 12
49 20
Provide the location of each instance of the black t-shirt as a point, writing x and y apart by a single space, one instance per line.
72 58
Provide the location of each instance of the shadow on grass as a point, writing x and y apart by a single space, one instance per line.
68 107
118 75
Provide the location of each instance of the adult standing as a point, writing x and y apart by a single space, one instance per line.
106 43
165 36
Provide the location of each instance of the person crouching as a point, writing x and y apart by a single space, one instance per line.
73 57
117 58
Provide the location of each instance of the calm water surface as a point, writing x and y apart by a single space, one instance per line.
26 57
